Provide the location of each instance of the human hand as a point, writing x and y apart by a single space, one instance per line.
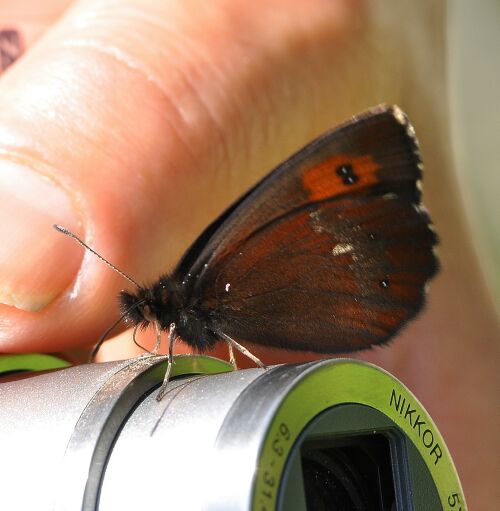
135 123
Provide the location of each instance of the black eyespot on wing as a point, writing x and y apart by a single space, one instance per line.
347 174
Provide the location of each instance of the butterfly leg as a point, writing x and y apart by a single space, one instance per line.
95 349
158 338
242 349
97 346
147 352
170 361
232 359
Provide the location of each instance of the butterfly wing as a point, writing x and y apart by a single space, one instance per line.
338 276
329 252
380 148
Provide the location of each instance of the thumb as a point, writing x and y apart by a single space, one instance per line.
134 124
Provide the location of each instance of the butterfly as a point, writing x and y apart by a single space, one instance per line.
330 252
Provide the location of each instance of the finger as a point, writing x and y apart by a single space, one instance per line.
133 124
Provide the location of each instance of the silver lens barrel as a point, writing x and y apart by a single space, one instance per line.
294 437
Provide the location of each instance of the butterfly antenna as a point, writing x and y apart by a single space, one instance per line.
83 244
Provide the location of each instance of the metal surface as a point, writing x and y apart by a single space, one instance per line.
240 440
164 457
94 436
37 418
56 428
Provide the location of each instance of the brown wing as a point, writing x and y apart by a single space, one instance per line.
373 154
335 276
330 252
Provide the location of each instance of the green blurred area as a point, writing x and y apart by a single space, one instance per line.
474 85
30 362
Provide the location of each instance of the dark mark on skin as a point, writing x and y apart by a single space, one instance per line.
11 47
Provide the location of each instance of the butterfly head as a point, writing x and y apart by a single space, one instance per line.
140 307
148 305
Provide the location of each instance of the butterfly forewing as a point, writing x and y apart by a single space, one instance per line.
375 153
330 252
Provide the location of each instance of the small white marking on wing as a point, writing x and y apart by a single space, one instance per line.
227 287
342 248
314 216
389 196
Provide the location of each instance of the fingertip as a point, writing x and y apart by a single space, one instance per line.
36 263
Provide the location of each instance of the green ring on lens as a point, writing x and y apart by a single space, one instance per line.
25 362
336 383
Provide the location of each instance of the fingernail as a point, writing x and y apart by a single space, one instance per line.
36 262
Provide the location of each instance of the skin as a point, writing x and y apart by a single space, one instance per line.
153 116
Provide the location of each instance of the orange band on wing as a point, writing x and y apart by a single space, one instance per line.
340 174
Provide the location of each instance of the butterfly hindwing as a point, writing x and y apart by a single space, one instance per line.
333 278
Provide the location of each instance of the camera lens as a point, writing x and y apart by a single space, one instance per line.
352 474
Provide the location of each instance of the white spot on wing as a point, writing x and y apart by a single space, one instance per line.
227 287
389 196
316 225
342 248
